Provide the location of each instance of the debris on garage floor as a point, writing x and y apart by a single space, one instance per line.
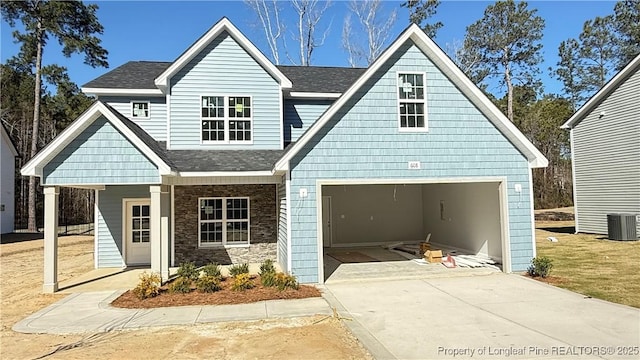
413 252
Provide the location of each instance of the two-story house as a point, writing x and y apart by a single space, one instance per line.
222 156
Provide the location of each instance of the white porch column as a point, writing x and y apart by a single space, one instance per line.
165 249
159 225
51 195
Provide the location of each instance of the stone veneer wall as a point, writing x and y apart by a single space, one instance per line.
263 224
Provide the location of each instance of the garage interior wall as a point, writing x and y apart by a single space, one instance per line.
465 216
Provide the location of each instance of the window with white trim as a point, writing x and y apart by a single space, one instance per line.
140 109
223 221
226 119
411 101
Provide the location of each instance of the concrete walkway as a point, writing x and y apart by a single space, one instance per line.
487 316
90 312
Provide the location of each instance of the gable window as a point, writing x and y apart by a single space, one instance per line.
140 109
411 101
223 221
226 119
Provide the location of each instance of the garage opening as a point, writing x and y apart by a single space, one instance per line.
360 221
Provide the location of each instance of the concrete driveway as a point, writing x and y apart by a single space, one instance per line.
487 317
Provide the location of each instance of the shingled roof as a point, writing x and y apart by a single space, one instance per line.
319 79
224 160
132 75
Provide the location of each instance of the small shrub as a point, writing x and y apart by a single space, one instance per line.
181 285
268 279
188 271
267 267
286 281
208 283
212 269
149 286
238 269
540 266
242 282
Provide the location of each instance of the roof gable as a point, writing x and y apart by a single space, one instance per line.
162 81
8 141
607 89
451 71
36 165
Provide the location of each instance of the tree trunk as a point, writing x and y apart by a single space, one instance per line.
507 80
32 226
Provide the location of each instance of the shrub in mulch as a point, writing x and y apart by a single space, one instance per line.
224 296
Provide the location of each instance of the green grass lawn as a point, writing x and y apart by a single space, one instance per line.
590 264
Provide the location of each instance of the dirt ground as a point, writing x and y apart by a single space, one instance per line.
20 287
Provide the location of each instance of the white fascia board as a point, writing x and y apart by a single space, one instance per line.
313 95
224 173
613 84
442 61
162 81
36 164
122 92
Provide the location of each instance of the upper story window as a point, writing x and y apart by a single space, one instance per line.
140 109
226 119
411 102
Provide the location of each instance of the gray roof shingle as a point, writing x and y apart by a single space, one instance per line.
224 160
132 75
141 75
321 79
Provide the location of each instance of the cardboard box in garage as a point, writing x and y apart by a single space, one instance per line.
433 256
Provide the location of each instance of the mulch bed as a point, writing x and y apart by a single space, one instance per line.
551 280
225 296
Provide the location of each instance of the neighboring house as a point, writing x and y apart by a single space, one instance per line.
223 156
8 154
605 149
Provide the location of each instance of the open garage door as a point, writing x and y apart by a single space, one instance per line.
462 217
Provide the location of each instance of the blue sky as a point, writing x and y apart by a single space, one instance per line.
162 30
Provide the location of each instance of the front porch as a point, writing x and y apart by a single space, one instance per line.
111 279
155 228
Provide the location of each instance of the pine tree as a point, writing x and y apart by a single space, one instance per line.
422 10
74 25
505 45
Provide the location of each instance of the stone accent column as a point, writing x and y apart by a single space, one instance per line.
51 195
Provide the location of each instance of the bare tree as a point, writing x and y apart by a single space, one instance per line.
269 16
375 24
309 14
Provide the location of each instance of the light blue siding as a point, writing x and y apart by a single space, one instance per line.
224 68
362 141
299 115
156 125
283 241
100 155
109 235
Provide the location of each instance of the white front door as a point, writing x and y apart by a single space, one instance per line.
326 221
138 233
